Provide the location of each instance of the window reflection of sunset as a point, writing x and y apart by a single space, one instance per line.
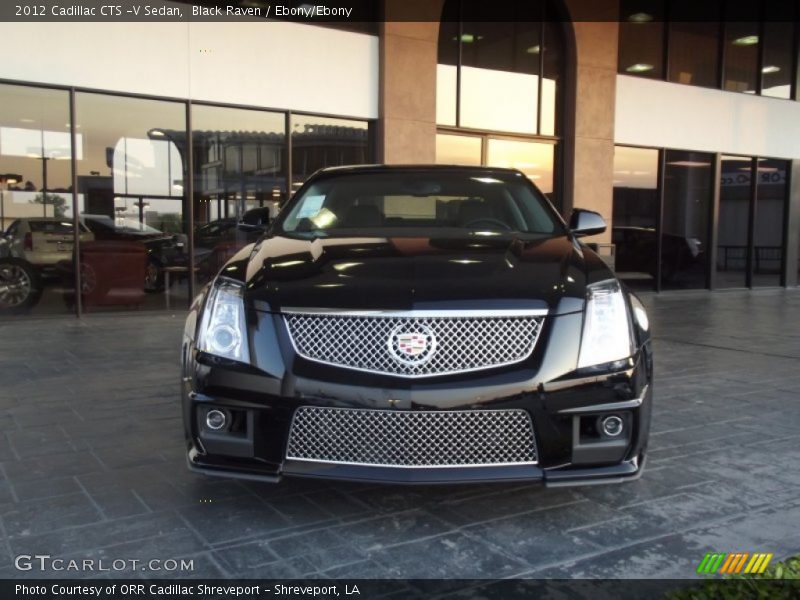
495 100
458 150
535 160
635 167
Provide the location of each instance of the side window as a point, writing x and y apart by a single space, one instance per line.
13 228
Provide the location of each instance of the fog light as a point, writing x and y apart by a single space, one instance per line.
215 419
611 426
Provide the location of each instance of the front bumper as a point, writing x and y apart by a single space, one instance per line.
626 471
562 413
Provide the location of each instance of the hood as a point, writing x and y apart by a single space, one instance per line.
420 273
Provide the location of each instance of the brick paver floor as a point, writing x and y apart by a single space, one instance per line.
92 466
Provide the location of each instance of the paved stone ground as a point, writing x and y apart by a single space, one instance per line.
92 465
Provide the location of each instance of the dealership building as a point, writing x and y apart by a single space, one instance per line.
678 121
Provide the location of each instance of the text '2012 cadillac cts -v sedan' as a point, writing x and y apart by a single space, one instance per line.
418 325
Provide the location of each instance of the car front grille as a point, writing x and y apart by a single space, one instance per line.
412 344
391 438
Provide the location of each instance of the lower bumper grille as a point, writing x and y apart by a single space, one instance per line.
412 438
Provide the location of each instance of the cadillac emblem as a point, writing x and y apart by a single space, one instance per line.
412 344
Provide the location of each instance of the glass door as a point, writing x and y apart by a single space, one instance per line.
733 225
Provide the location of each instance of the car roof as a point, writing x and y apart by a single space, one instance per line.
383 168
44 219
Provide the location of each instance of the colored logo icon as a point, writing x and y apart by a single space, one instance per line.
721 563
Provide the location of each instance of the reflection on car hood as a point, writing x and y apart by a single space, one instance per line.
405 273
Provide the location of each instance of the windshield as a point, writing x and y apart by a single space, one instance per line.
477 203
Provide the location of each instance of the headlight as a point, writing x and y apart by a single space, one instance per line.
222 330
606 327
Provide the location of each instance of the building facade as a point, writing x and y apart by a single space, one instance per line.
681 128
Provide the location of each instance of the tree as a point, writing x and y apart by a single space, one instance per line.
59 203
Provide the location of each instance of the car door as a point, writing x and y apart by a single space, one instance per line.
51 240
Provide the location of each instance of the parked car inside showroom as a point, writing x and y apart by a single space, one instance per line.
31 250
20 283
217 241
419 324
163 249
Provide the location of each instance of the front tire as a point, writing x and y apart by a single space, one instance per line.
20 285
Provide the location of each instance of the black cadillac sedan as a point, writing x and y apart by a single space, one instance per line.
419 324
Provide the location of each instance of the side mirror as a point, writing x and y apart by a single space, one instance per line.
586 222
258 217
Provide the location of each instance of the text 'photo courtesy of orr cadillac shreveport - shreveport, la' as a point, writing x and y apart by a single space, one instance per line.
419 324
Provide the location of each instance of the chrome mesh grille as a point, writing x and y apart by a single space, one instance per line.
412 438
454 343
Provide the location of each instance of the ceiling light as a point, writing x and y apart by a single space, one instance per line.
534 49
640 17
468 38
747 40
639 68
689 163
27 121
770 69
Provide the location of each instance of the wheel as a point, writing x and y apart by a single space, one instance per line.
20 285
153 277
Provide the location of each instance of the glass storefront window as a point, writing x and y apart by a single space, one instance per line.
532 158
458 149
733 222
779 31
133 222
35 200
239 180
694 52
131 200
447 67
319 142
641 38
768 242
757 42
688 186
635 215
522 57
740 71
551 78
740 263
500 56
